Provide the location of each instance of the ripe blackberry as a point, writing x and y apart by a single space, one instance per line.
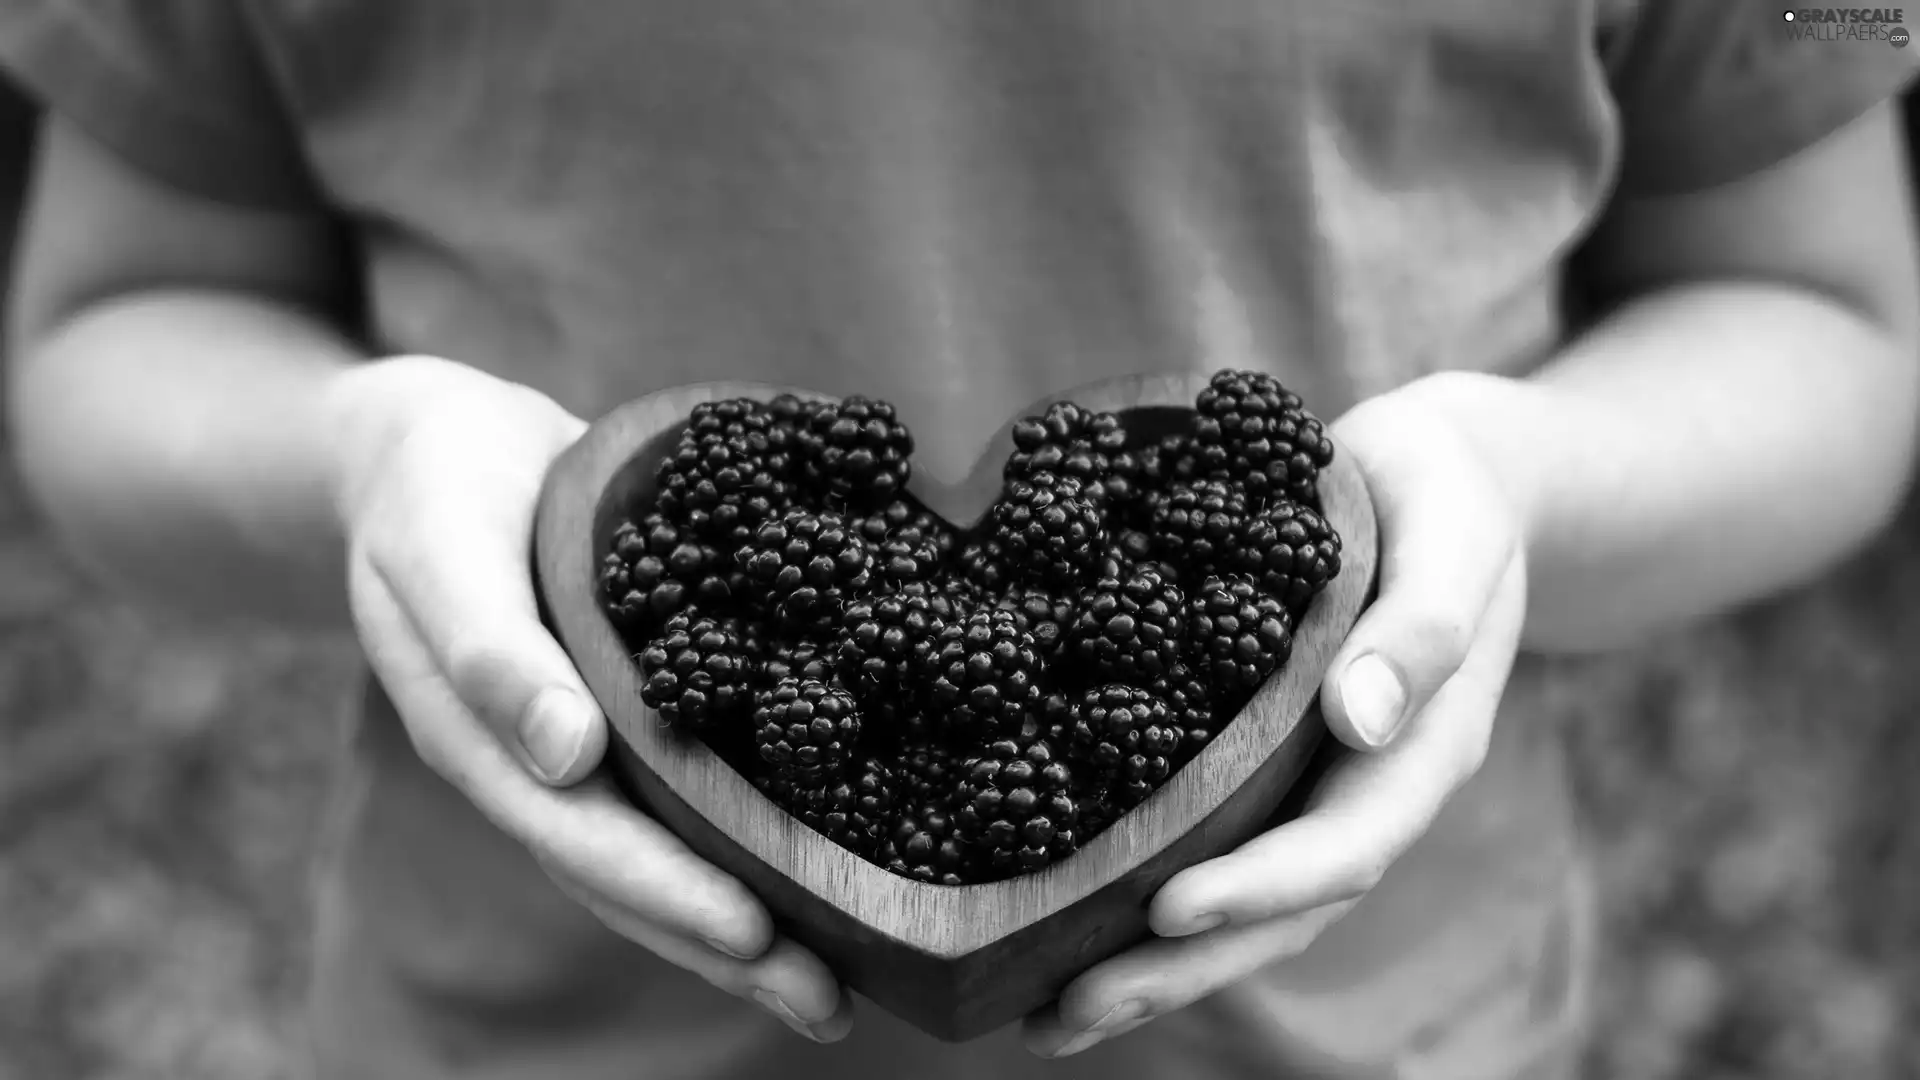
1068 440
1056 716
859 451
780 658
1290 552
805 566
854 808
903 516
1196 523
983 564
950 599
1123 733
905 558
731 470
1272 444
653 571
1236 635
792 417
805 729
1015 804
1174 459
1132 549
1191 706
696 674
909 542
983 675
925 846
927 773
1130 629
885 645
1047 527
1041 612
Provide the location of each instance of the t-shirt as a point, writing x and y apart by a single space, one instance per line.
964 207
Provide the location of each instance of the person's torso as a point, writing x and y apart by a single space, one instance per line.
964 207
960 207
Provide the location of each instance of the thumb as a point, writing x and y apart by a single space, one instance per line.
520 683
1447 538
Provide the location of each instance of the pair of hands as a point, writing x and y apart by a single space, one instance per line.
492 703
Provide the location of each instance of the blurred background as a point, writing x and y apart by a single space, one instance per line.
1745 786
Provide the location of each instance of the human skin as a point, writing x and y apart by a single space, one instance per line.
1741 418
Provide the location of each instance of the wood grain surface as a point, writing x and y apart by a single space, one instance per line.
956 962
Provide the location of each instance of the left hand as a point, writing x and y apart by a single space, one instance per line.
1413 689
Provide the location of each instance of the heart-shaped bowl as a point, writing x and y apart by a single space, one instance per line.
955 961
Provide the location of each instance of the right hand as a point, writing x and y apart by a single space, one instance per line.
438 480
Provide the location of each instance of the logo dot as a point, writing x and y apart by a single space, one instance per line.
1789 16
1898 36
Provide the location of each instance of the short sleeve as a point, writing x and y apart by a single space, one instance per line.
1710 91
177 88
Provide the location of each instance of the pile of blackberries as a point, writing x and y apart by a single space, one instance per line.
959 708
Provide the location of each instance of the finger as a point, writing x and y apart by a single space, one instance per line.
1446 537
1367 811
788 981
587 832
1159 977
470 598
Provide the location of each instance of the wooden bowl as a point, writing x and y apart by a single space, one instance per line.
957 962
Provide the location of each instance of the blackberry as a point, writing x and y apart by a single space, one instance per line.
1290 552
952 600
1130 629
805 729
1068 440
905 517
1272 444
858 450
696 674
983 565
792 417
854 809
983 675
1040 612
927 773
1132 549
731 470
909 542
1047 528
906 557
1056 716
885 644
1174 459
777 659
1196 524
1236 635
925 846
805 566
1015 804
654 570
1191 708
1127 737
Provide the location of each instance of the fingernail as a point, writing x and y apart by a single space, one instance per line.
771 1002
1203 923
1374 698
725 949
1101 1028
552 731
